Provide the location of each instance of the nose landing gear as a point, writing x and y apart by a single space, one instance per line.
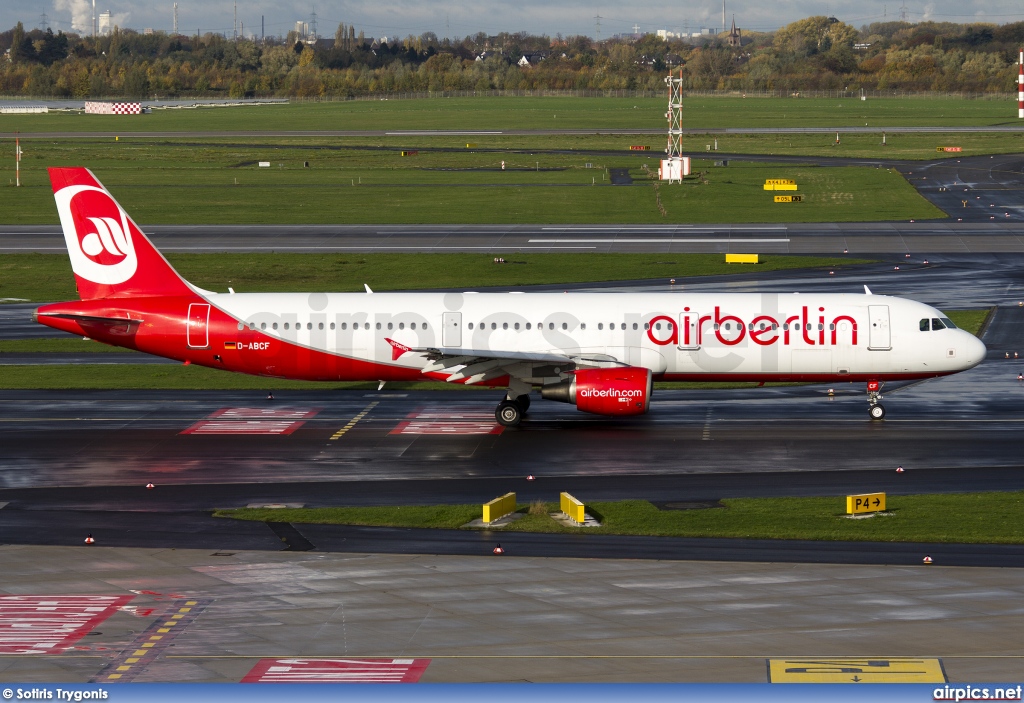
875 409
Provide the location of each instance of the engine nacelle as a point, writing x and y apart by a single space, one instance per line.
622 391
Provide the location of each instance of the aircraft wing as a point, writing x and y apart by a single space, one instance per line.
477 365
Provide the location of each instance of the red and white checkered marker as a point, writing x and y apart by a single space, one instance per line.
1020 86
895 268
89 539
899 469
337 671
498 550
927 559
530 477
150 486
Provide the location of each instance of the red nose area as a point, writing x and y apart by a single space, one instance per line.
99 227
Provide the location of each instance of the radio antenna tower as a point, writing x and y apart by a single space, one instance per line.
234 27
673 167
903 12
597 19
312 24
175 19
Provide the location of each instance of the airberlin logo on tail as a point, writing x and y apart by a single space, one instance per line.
97 233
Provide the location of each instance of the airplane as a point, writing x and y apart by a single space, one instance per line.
599 351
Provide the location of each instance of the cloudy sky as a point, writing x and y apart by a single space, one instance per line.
457 18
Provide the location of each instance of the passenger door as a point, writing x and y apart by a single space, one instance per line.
878 332
451 329
198 330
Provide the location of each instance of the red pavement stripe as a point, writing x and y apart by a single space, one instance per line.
337 671
51 624
274 427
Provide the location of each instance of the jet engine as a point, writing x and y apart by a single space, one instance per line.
620 391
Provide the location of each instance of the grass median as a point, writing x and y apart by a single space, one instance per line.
969 518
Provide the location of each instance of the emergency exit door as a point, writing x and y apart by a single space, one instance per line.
198 331
451 329
878 332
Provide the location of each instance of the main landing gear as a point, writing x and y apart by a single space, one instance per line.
875 409
510 412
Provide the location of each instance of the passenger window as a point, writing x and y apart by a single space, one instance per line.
344 325
647 325
583 325
424 326
252 325
286 326
948 323
320 326
391 326
332 325
775 326
412 325
832 327
274 325
240 326
516 325
504 325
494 325
728 326
263 325
527 325
657 325
401 325
820 326
751 327
551 325
623 325
937 324
378 325
366 325
923 326
600 325
565 326
717 326
636 326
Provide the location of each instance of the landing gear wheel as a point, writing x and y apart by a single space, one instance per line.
523 401
508 414
877 412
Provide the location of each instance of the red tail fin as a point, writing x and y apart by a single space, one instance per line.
110 255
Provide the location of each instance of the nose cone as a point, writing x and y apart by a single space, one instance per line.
974 352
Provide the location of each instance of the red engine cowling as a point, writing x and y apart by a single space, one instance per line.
624 391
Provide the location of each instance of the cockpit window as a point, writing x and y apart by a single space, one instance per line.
948 323
924 325
937 324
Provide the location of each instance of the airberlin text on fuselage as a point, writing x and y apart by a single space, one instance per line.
764 330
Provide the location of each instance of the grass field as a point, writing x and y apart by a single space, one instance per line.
222 183
505 113
978 518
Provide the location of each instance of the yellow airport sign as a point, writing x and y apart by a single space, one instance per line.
865 503
789 198
851 670
499 508
741 258
572 507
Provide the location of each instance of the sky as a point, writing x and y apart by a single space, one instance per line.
458 18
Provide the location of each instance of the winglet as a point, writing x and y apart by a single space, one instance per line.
397 348
367 287
867 291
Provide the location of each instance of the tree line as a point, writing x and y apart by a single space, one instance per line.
815 53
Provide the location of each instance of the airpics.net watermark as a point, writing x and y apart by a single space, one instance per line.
977 693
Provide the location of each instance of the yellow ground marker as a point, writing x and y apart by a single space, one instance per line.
852 670
352 423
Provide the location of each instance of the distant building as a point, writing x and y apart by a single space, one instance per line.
105 23
862 46
147 30
734 34
531 59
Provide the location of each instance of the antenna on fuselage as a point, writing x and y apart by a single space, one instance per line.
868 291
367 287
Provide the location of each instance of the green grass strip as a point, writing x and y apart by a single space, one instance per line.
970 518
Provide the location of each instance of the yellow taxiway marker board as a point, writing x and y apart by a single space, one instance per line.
843 670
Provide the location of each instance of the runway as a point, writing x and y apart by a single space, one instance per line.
555 607
1004 236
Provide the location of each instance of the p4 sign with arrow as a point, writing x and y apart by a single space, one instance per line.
865 503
